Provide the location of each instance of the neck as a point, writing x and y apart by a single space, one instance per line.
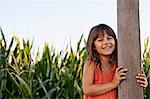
104 59
105 64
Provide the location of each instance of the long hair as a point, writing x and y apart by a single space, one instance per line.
93 35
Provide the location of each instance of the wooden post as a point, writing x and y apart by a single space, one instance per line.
129 47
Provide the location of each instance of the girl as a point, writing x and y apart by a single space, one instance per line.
101 77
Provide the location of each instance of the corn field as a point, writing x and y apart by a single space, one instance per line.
54 75
146 64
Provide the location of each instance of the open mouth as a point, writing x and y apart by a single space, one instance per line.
107 48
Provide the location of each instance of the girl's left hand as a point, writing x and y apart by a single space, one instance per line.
142 80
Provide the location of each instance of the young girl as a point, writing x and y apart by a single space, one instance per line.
101 76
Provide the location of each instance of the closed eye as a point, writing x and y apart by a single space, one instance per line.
99 40
110 37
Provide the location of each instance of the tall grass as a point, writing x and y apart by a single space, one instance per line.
54 75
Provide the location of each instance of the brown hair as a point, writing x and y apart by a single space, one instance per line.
93 35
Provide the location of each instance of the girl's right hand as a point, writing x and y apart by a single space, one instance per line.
119 75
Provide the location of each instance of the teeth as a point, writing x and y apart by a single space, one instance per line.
107 47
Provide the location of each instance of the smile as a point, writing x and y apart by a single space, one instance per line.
107 48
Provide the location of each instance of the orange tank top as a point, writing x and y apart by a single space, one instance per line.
101 78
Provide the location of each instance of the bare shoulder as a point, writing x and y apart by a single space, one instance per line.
88 65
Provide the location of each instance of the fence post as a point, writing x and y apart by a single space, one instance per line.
129 51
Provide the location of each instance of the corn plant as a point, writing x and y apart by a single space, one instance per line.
61 73
4 65
54 75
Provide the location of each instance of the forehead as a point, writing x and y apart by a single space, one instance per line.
102 34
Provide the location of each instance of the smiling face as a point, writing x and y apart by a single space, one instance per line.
102 41
104 44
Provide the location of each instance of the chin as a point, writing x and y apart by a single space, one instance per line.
108 53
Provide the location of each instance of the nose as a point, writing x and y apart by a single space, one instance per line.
106 42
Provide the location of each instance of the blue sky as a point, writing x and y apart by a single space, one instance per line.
58 22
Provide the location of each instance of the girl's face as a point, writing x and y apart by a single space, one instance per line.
104 44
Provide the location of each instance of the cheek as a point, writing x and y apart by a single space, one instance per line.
98 46
114 45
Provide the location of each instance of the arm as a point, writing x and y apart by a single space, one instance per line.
91 89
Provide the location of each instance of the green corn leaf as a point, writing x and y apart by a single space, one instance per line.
79 90
79 43
15 66
24 87
42 85
3 38
14 80
37 56
8 51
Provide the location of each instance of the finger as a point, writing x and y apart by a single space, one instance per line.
122 70
123 78
141 82
141 78
123 74
142 85
120 67
142 75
